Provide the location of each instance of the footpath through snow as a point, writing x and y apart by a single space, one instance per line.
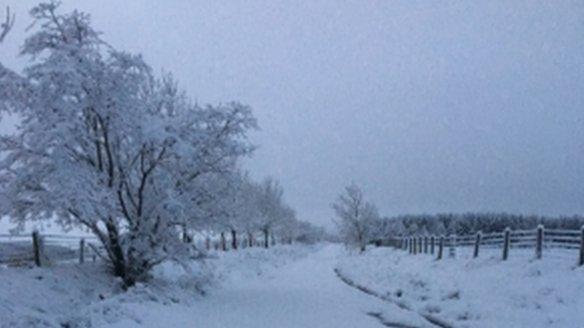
304 293
287 286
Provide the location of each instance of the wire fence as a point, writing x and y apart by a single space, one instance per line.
27 249
565 243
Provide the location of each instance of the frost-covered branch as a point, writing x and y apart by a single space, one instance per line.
7 25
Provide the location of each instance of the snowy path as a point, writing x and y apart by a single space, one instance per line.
305 293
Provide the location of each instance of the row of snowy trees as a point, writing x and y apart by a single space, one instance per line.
104 144
246 207
469 223
359 223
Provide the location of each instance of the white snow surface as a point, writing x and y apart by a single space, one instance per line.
285 286
482 292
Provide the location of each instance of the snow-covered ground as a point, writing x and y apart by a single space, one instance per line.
285 286
85 295
483 292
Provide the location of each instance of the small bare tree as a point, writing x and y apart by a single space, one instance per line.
355 217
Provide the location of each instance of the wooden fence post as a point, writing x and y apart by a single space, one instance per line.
452 248
415 246
440 247
223 242
581 261
411 245
36 248
539 242
425 244
477 244
432 242
82 250
506 243
234 243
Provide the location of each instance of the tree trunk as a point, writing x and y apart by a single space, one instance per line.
361 240
116 255
233 239
250 239
185 236
266 238
223 242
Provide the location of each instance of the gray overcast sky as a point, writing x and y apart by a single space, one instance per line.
431 106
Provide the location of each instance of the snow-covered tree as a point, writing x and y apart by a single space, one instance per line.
235 206
308 233
106 145
270 207
355 217
288 227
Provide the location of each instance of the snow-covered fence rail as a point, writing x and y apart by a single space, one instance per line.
20 249
539 239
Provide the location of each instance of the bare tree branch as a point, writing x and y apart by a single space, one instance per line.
7 25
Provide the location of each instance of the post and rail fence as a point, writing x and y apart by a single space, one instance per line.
44 249
538 239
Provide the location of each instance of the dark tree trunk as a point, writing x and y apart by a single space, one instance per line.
117 255
233 239
250 239
266 238
186 237
223 242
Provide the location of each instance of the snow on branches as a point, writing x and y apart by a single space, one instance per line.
355 217
106 145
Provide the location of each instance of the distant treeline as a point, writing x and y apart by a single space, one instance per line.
467 223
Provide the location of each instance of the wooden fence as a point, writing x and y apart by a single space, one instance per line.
538 239
46 249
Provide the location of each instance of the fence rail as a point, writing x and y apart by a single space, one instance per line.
539 239
16 250
24 249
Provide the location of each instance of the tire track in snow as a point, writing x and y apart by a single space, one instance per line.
430 318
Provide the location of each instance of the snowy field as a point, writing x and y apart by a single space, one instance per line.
483 292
